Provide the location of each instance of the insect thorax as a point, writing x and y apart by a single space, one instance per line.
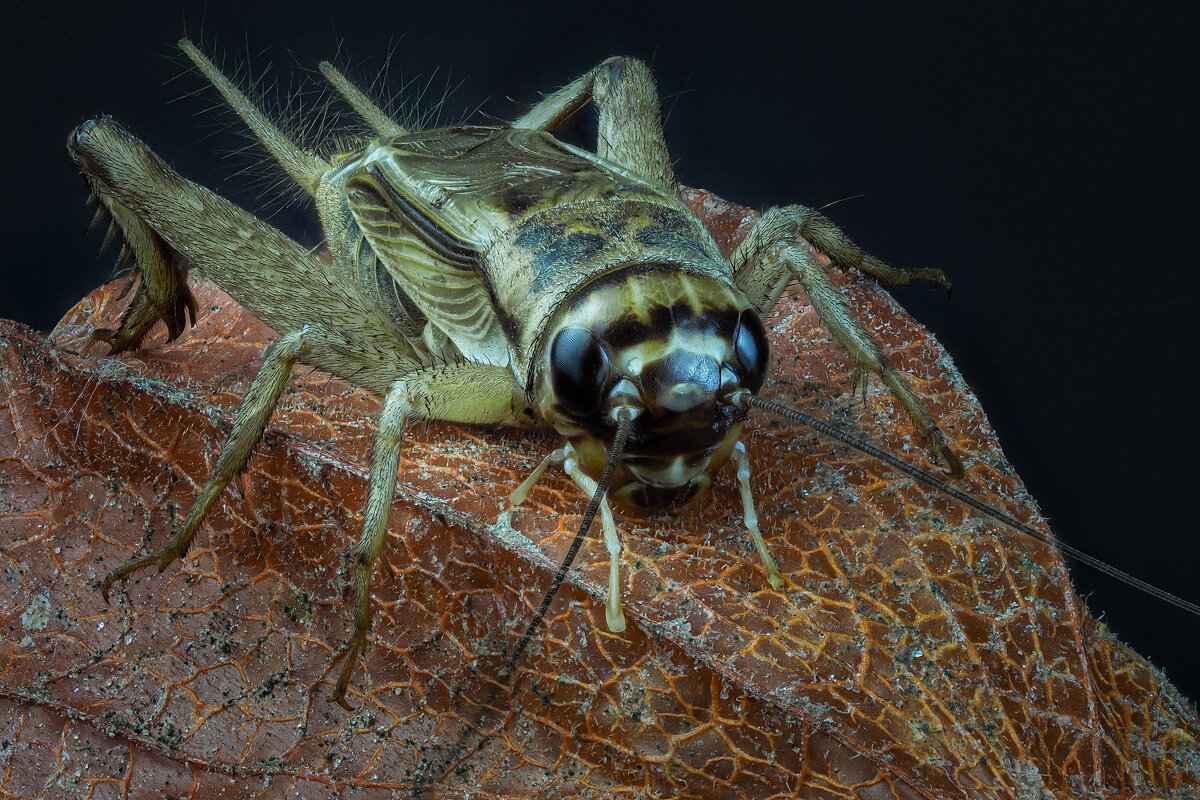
596 287
483 233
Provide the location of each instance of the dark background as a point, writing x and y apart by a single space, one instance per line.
1044 157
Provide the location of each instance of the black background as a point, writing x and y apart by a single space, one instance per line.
1044 157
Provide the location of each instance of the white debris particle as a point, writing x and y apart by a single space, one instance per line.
504 529
38 613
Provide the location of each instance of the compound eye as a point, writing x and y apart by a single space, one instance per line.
750 350
579 370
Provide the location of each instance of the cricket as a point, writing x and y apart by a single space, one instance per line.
497 276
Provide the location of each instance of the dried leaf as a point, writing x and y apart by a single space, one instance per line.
917 651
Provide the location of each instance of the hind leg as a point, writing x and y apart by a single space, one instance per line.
630 124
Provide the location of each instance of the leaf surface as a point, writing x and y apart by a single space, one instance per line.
916 651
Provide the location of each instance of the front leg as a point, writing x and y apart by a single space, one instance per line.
776 251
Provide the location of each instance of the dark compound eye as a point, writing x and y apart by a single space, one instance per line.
750 350
579 370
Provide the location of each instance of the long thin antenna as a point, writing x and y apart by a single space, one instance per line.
624 425
924 477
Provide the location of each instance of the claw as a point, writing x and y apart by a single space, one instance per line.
133 565
353 651
141 316
941 451
933 276
175 549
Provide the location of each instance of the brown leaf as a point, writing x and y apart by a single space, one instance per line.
917 650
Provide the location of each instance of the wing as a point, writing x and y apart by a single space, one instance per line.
431 203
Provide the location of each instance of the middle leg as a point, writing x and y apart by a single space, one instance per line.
465 392
777 250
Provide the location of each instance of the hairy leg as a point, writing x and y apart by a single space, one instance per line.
780 249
